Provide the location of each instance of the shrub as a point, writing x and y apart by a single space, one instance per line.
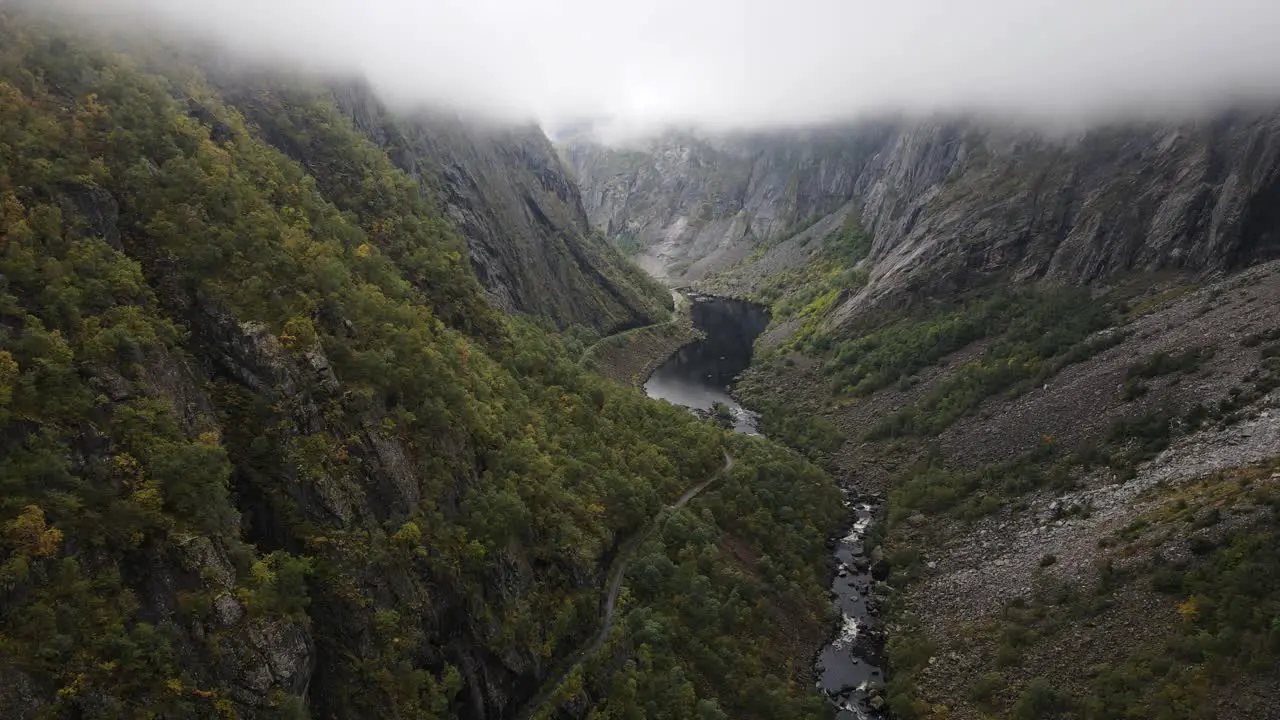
1040 700
985 691
1165 363
1038 334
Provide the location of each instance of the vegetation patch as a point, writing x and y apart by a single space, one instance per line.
1162 363
1146 305
1229 410
1227 598
932 488
810 293
1037 335
813 435
256 399
1256 339
1223 596
628 244
688 600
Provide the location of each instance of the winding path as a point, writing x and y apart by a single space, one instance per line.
625 556
677 317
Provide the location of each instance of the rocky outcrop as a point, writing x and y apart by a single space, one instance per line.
951 203
947 205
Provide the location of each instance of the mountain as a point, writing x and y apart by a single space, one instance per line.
947 204
1056 359
696 204
507 192
502 187
285 430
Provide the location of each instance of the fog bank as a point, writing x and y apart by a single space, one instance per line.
759 63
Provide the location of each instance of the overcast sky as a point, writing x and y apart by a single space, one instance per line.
747 63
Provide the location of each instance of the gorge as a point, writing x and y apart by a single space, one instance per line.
316 405
700 376
1021 340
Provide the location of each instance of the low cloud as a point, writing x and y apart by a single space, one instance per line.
758 63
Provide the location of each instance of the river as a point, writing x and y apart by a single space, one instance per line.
849 671
702 374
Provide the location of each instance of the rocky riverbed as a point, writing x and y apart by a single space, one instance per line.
849 668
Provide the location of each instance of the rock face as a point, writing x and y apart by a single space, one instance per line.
950 203
697 204
502 186
505 190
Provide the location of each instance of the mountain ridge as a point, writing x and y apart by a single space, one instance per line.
948 202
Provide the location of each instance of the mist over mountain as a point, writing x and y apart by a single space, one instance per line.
725 64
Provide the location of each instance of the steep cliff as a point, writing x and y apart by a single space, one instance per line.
504 188
697 204
950 203
508 193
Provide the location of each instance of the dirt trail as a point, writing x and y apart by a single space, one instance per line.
615 588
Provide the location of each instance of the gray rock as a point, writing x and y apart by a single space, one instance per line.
266 656
946 203
206 559
227 611
19 697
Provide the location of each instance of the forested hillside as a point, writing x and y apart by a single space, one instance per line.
501 186
266 450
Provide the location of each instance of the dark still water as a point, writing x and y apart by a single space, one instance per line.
700 375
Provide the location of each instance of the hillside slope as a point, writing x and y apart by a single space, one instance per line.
1054 358
267 450
1082 499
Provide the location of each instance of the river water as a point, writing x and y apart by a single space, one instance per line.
849 671
702 374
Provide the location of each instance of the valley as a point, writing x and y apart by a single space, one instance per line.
1026 426
294 423
320 402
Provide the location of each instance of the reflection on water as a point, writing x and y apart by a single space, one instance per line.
700 375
